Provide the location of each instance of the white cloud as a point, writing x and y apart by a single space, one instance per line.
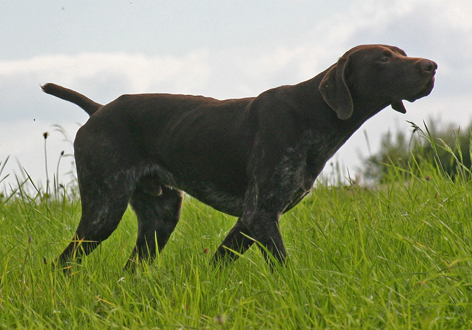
143 72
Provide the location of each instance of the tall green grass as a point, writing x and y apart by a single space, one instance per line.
396 256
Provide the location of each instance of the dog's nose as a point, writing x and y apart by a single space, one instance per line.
428 66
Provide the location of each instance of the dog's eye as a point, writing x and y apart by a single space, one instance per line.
385 59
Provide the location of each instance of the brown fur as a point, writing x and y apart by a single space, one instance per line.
254 158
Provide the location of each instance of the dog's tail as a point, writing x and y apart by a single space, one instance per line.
72 96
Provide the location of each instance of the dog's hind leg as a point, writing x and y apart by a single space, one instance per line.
158 213
103 206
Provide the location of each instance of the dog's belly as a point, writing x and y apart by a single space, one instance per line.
232 204
222 201
201 189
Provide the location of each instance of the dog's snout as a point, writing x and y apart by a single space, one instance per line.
428 66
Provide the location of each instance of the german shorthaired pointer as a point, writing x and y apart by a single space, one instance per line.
254 158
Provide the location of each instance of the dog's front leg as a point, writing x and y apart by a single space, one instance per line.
240 238
259 222
276 169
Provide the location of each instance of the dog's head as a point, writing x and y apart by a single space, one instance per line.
376 73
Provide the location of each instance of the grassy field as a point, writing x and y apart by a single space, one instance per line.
393 257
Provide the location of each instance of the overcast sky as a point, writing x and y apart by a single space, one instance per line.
223 49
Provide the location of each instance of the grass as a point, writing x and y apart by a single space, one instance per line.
394 257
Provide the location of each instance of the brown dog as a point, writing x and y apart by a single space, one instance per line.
254 158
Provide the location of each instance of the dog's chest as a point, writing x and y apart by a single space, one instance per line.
310 156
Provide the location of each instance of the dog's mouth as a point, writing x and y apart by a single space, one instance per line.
427 88
424 91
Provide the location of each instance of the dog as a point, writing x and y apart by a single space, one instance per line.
254 158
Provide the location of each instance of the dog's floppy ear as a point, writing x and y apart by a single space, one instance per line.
335 91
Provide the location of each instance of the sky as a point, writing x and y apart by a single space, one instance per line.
222 49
